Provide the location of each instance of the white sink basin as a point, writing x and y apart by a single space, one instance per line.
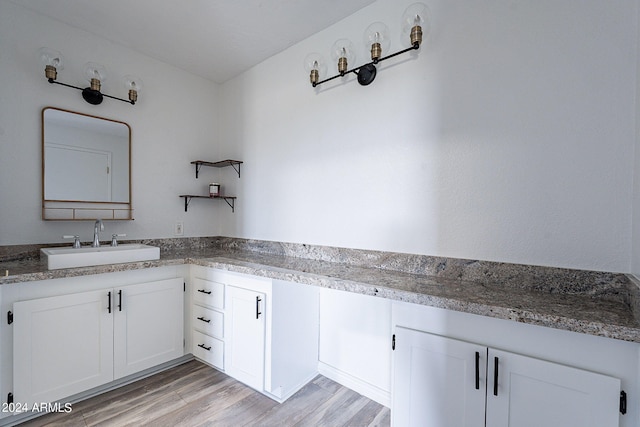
68 257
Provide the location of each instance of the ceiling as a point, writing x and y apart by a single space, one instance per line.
215 39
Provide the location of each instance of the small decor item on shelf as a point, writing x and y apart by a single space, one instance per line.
214 189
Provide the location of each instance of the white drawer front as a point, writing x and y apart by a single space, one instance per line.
208 293
208 321
208 349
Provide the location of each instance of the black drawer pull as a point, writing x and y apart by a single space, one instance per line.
120 300
203 319
205 347
495 376
477 370
109 305
258 312
204 292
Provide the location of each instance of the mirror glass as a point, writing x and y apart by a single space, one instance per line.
86 158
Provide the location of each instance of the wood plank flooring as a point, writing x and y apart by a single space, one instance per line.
193 394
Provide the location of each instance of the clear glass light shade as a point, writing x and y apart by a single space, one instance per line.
51 57
93 70
416 14
315 66
133 83
377 33
343 53
343 48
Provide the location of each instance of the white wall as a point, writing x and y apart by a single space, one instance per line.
174 122
509 137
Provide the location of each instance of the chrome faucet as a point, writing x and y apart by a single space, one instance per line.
96 233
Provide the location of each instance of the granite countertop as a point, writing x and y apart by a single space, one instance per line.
585 312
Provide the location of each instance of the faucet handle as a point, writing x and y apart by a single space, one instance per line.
114 240
76 242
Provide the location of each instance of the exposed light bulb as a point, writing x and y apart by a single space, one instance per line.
415 23
53 61
376 38
134 85
343 52
316 66
95 73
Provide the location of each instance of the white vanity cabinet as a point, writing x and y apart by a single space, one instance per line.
439 381
245 350
207 316
66 344
460 369
61 346
260 331
148 325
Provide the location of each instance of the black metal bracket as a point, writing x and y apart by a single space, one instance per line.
235 164
623 402
198 167
187 200
231 201
367 72
231 204
91 96
9 317
10 398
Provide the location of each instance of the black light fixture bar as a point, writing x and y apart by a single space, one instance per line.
370 66
89 89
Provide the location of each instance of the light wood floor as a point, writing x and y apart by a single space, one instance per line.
194 394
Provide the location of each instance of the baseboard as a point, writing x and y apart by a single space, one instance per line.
285 394
370 391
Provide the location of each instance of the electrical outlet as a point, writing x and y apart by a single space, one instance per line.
179 229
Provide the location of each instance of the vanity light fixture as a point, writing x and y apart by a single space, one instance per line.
415 23
95 74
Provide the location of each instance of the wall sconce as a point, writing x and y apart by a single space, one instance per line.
95 74
415 23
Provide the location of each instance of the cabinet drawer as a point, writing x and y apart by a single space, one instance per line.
208 349
208 321
208 293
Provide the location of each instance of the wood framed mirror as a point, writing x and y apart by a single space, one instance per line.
86 167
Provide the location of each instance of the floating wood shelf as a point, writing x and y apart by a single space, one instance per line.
231 200
235 164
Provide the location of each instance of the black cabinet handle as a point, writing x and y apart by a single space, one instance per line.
204 320
204 292
495 376
477 370
205 347
109 304
120 300
258 313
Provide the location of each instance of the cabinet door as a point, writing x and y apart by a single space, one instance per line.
244 350
62 345
437 381
532 393
148 325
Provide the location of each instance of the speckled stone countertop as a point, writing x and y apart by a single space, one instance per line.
594 303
